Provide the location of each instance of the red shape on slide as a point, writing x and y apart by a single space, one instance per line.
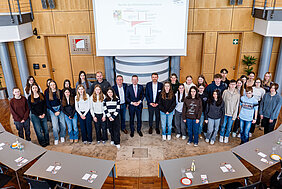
133 23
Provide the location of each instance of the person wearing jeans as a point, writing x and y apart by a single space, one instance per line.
38 108
20 112
191 114
68 108
166 104
179 123
248 114
204 98
231 98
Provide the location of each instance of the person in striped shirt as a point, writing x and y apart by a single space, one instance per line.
112 109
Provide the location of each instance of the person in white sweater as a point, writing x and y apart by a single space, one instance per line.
188 84
179 123
82 106
98 114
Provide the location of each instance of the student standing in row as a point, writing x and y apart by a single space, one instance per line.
216 84
82 80
269 108
204 98
188 83
266 82
248 114
53 101
174 82
191 114
202 80
214 115
82 107
68 108
104 84
98 114
27 90
112 108
179 123
231 99
20 112
240 90
38 109
224 79
166 105
67 84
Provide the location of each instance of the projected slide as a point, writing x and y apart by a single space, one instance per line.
140 27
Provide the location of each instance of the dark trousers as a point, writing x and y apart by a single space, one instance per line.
114 127
236 125
132 111
86 127
268 127
23 128
100 128
41 129
154 110
122 115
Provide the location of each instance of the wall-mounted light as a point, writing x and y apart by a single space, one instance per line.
232 2
36 33
239 2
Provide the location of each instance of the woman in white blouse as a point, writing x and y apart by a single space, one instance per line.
82 106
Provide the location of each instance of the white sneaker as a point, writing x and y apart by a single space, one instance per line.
89 142
233 134
56 142
98 142
195 145
112 142
188 143
220 138
212 142
168 137
225 140
239 135
178 136
118 146
164 137
207 140
84 142
62 139
183 137
104 142
250 135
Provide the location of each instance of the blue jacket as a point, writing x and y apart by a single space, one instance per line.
149 92
270 106
130 96
211 87
115 87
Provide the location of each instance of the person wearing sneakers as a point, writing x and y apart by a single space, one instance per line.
191 114
53 101
236 126
248 112
112 109
167 104
179 123
214 115
68 108
231 98
204 98
98 114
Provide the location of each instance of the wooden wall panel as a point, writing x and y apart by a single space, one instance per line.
190 20
251 42
39 60
43 21
35 46
208 64
210 42
85 63
242 19
191 3
92 25
212 4
71 5
212 19
11 49
276 45
90 5
273 63
209 77
37 6
72 22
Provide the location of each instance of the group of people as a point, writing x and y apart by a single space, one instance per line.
185 108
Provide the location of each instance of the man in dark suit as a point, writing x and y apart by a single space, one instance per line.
153 91
135 96
120 89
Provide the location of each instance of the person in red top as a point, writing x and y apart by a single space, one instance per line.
20 112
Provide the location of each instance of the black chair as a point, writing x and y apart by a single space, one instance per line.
256 185
60 187
238 185
37 184
4 178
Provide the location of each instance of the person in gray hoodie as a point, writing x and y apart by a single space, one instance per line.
214 115
269 108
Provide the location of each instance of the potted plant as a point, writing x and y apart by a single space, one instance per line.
249 61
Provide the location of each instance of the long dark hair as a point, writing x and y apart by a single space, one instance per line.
114 94
170 92
41 97
57 91
219 98
178 93
189 93
67 80
79 80
64 99
28 86
204 82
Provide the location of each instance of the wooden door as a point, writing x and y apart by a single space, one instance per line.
59 59
228 53
191 64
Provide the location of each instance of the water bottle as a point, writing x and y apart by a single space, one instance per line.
193 166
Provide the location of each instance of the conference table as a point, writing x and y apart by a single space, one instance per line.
16 159
210 165
73 169
2 129
257 151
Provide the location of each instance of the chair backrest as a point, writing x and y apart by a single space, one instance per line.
37 184
60 187
251 186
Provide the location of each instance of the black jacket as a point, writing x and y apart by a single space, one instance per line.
167 105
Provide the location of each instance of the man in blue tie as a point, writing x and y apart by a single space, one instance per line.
134 97
120 89
153 91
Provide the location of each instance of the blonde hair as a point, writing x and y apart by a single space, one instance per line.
269 81
84 96
101 96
